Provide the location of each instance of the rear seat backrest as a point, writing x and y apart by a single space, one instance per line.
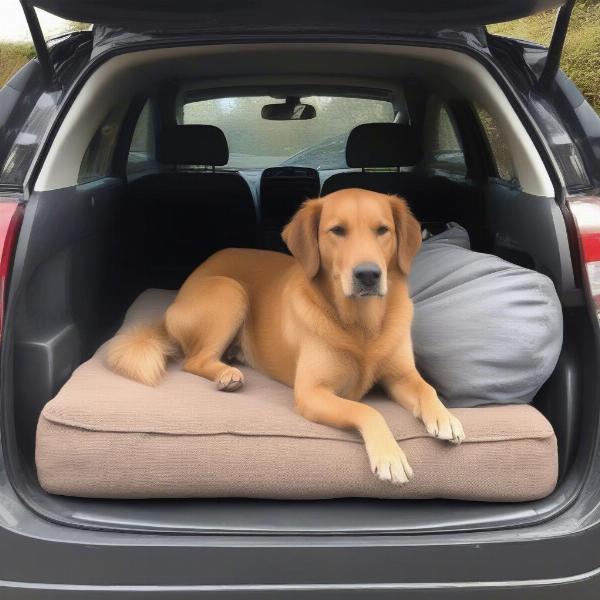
190 214
379 145
433 199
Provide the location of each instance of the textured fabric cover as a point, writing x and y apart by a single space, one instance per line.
192 145
106 436
407 185
485 330
373 145
183 218
382 145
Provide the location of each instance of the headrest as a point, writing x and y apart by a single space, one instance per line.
192 145
382 145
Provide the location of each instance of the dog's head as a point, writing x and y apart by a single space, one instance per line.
355 237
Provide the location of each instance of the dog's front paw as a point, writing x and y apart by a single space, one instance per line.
442 424
230 380
390 464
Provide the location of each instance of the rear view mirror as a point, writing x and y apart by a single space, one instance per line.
291 110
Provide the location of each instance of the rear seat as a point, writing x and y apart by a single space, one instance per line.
375 146
433 199
190 214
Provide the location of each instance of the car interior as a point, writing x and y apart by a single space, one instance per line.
139 187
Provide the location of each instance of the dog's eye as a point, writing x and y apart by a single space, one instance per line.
382 229
338 230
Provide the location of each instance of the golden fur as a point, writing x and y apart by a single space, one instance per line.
300 321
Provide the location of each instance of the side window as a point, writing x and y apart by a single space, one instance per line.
499 149
97 159
445 150
142 151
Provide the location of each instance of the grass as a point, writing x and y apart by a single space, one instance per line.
580 60
581 55
14 55
12 58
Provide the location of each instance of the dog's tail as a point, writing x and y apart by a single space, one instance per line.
141 353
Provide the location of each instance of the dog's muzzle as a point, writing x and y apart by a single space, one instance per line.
366 280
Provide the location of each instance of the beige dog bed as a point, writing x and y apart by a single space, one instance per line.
106 436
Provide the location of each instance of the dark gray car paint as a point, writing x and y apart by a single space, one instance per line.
271 16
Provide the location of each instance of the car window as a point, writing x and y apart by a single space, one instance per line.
142 150
256 143
445 150
97 160
499 149
27 138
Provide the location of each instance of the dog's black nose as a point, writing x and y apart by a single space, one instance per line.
367 274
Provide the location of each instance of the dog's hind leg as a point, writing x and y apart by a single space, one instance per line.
205 319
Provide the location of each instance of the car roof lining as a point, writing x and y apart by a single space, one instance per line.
449 73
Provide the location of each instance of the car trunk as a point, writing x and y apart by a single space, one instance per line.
85 253
86 250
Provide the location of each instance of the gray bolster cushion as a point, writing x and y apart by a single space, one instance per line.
485 331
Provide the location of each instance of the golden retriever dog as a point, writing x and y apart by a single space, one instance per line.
331 321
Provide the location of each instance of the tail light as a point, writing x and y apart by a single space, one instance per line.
586 212
11 217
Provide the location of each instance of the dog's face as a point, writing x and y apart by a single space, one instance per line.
355 237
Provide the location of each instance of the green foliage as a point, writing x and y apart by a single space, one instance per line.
581 55
12 58
14 55
77 26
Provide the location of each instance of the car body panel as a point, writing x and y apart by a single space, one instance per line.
269 16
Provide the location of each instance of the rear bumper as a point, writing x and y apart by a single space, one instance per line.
41 559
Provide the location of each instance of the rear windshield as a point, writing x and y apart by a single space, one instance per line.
257 143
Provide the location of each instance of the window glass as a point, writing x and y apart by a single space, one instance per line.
446 150
142 149
256 143
98 157
498 146
27 139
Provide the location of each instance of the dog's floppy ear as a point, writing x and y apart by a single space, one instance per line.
301 236
408 233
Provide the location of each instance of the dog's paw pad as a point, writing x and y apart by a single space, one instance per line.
392 467
446 427
230 380
458 433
